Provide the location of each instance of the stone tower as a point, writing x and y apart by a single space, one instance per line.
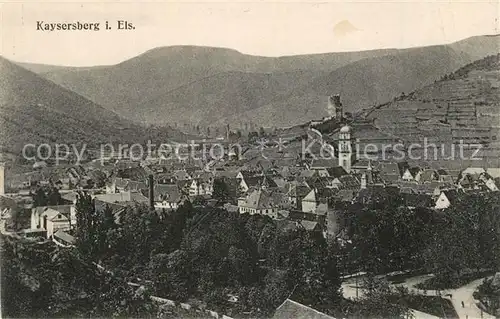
345 148
335 108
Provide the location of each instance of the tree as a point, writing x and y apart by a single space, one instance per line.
53 197
39 198
173 274
379 301
221 190
241 265
87 230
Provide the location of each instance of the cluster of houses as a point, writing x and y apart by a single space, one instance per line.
295 191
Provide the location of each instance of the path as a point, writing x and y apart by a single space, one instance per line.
470 310
456 296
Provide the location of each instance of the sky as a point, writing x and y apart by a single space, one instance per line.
268 28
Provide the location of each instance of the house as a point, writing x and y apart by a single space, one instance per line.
116 185
198 187
446 199
308 173
259 202
118 202
412 174
37 213
51 220
316 200
443 176
440 187
336 172
493 172
428 176
135 186
362 165
280 182
471 181
349 182
165 178
292 309
296 192
184 186
319 182
390 172
167 196
491 185
323 164
242 174
256 182
181 175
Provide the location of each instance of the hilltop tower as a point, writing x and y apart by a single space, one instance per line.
345 148
335 108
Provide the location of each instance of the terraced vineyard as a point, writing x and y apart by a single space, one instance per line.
463 106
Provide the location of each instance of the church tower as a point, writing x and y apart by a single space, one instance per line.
345 148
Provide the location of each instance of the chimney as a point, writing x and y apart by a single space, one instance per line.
151 192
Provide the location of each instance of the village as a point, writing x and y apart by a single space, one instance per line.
296 191
282 184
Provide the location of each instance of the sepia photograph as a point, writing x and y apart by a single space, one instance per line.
277 159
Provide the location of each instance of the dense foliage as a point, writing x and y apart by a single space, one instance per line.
489 295
42 280
242 264
450 243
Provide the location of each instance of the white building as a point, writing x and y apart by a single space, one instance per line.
52 219
345 148
258 202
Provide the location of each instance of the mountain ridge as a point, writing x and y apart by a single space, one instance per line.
34 110
149 81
